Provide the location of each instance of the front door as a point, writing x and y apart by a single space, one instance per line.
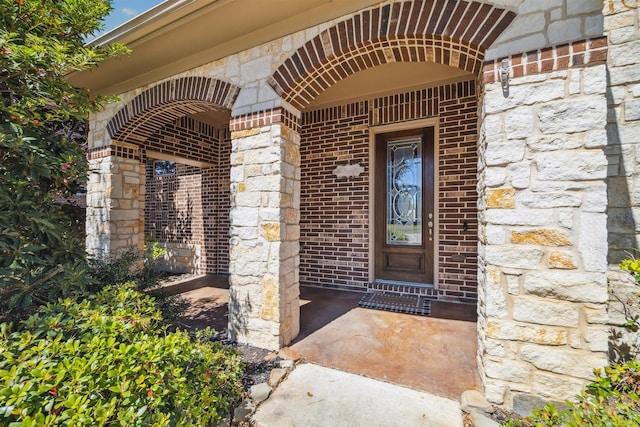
404 206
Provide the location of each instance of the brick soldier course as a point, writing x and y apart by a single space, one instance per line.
535 178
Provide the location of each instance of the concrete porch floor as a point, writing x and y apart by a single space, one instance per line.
437 356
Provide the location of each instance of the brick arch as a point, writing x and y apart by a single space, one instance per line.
164 103
442 31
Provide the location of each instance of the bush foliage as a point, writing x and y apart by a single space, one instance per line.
108 361
138 268
632 266
41 161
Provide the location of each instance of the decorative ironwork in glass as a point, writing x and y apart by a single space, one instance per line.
164 168
404 192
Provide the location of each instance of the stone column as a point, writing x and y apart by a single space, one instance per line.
623 127
115 202
543 233
623 154
264 244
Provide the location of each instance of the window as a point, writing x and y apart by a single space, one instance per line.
164 168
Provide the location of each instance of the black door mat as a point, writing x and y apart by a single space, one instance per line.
409 304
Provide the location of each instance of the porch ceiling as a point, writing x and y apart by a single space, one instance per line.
178 35
386 79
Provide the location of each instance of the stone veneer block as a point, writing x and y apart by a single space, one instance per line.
514 256
577 287
543 311
501 198
542 237
508 370
511 331
578 364
562 260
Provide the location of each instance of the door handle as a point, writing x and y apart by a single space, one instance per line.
430 225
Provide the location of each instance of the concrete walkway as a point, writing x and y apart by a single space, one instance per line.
313 396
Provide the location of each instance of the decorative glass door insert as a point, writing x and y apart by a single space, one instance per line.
404 192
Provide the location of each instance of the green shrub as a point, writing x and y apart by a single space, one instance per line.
107 360
42 123
137 267
632 266
624 340
129 265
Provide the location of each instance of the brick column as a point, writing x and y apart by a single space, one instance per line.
543 228
115 201
264 244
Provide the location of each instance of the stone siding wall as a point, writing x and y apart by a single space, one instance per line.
542 270
115 201
264 246
98 206
335 211
542 23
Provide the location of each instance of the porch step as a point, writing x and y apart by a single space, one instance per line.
402 288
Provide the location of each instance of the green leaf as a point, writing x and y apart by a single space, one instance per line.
141 411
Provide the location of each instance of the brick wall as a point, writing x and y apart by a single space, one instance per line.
188 213
334 214
218 243
187 138
335 211
457 215
173 216
173 205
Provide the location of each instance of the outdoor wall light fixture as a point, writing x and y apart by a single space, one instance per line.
503 73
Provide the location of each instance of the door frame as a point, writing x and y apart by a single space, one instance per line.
395 127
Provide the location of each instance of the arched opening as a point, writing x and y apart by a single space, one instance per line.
400 78
177 137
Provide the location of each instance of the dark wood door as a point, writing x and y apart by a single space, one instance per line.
404 206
